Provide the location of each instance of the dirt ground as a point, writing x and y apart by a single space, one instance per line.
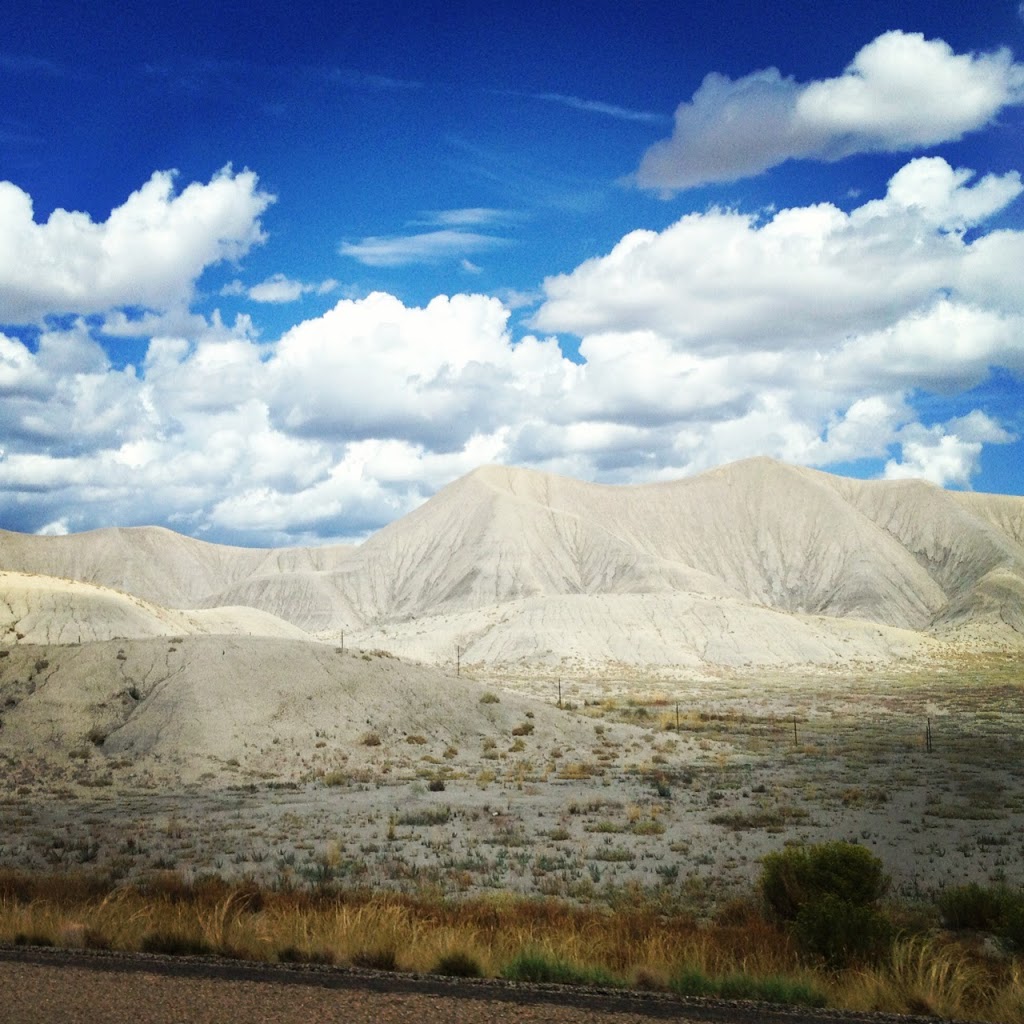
681 787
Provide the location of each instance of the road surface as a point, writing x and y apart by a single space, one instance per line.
39 986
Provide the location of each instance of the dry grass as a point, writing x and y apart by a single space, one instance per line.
924 975
637 946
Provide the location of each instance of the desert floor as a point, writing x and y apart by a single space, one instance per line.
678 786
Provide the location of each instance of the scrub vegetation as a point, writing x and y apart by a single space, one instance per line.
923 959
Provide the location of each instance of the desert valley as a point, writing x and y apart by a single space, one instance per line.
530 685
768 643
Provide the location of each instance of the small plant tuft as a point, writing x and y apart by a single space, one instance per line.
175 944
294 955
427 816
458 965
535 966
383 959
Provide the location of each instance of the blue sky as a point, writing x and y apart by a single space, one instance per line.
274 274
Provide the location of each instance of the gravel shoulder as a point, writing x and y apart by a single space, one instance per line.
44 986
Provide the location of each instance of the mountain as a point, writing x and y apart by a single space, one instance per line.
753 563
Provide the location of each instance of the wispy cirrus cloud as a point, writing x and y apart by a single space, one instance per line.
471 216
598 107
26 64
279 289
423 247
355 79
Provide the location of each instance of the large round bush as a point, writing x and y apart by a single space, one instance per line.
827 895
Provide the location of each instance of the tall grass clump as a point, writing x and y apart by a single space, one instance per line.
926 976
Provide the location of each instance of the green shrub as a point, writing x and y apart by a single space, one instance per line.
972 906
827 895
996 908
1011 927
841 932
798 875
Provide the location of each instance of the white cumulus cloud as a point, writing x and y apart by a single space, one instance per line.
148 253
945 454
724 281
810 335
900 92
376 368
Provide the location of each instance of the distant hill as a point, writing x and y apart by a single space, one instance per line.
753 563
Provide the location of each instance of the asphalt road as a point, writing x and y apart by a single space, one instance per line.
70 987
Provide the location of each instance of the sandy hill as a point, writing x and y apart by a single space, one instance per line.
38 609
755 562
159 565
202 704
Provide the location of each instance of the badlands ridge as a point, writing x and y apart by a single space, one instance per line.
756 563
146 642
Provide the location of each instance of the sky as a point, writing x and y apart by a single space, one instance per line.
274 274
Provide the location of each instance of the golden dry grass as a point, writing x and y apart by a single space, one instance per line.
924 975
638 946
